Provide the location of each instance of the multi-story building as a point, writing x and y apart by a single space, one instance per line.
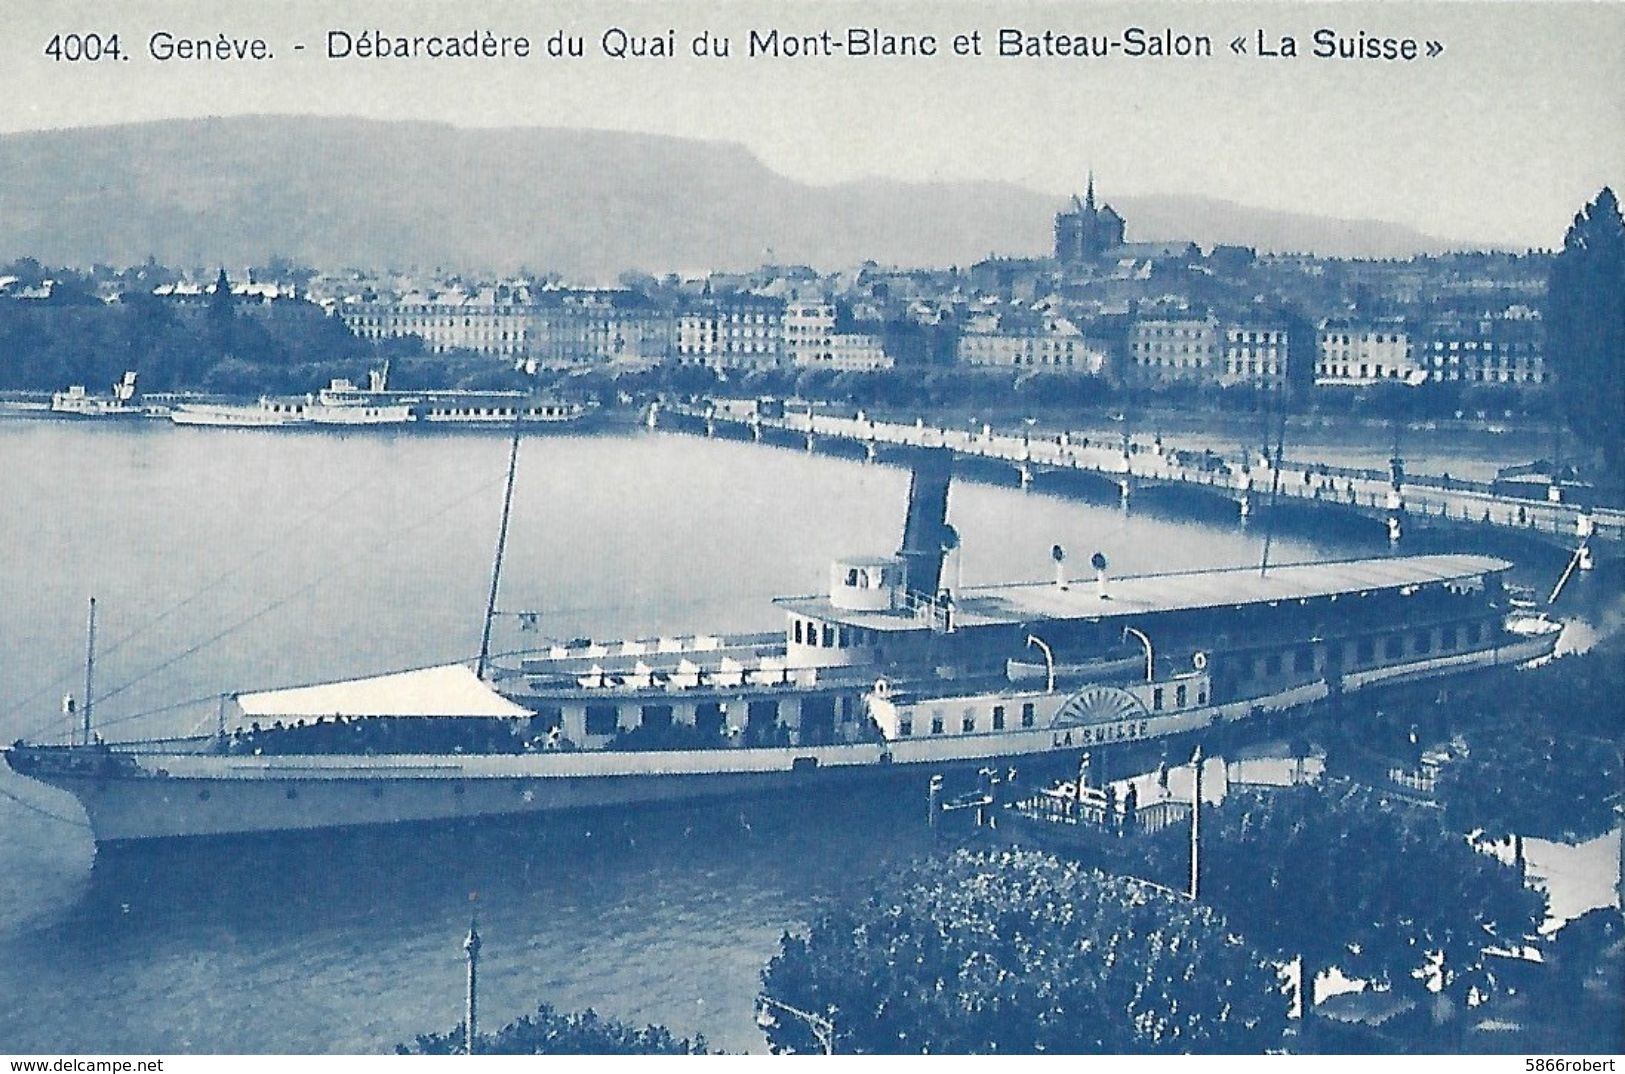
1484 350
1032 345
599 328
1255 353
1357 352
857 352
733 331
808 326
492 321
1176 347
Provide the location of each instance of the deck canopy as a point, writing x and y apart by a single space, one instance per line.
1137 595
451 690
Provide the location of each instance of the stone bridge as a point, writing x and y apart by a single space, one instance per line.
1131 470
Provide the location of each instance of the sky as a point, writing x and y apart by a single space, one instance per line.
1499 139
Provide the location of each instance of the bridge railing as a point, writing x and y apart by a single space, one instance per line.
1457 499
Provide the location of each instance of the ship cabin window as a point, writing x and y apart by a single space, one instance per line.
1424 641
968 724
795 630
1201 695
709 717
855 578
843 638
1364 651
760 714
1179 697
1156 699
1027 714
905 728
936 723
998 717
603 719
1306 658
829 636
656 716
546 718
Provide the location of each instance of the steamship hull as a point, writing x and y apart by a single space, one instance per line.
134 796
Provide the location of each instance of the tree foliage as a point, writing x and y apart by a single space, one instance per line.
549 1032
1531 781
1377 888
1585 326
1018 952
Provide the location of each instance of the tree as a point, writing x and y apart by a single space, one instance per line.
1016 953
1341 877
1528 780
1585 326
548 1032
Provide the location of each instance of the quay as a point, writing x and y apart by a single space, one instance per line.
1115 466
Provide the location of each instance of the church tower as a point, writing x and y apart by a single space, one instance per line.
1086 229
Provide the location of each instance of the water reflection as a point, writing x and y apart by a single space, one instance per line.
668 916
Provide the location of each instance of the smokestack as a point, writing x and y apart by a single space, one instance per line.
1098 561
1058 554
922 552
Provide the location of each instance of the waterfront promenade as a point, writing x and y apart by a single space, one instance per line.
1402 501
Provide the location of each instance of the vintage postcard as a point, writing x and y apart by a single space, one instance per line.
1010 528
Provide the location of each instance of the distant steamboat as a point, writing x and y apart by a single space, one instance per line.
887 673
344 405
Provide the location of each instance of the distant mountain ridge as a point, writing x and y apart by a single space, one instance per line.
589 204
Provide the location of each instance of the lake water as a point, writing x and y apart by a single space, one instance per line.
225 560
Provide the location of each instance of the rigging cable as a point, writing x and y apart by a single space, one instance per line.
252 558
368 553
32 808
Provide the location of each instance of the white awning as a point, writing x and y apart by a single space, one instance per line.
452 690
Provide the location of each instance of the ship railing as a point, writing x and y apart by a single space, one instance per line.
563 657
1095 808
169 745
934 611
678 679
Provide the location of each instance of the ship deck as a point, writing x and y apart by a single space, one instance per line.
1136 595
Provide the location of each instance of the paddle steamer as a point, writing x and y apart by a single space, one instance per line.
887 673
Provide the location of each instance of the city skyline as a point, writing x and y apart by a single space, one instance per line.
1496 141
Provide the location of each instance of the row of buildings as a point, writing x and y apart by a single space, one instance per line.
1139 313
1144 313
744 330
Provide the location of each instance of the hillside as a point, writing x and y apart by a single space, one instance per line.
343 192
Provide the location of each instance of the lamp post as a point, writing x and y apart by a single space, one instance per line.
1196 823
1150 664
471 947
823 1030
1034 640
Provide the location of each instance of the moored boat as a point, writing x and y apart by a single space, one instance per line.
121 402
888 672
343 404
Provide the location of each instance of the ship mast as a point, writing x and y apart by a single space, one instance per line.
1275 480
90 665
502 544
